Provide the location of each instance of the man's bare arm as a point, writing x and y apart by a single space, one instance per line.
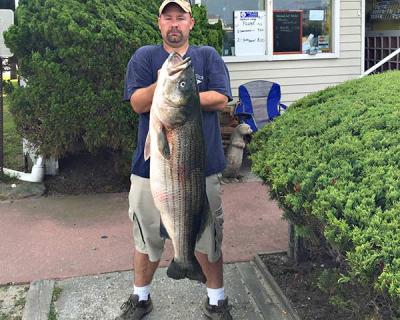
210 100
213 101
142 98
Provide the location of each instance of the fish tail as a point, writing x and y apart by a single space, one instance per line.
192 271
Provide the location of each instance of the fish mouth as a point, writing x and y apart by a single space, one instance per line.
177 64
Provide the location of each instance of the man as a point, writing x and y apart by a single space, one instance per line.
175 22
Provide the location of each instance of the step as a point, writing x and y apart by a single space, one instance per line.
38 300
99 297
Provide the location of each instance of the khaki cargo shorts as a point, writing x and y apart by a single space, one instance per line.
146 220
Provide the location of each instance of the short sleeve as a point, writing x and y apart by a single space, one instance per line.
138 73
217 74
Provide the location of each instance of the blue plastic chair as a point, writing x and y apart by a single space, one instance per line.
259 103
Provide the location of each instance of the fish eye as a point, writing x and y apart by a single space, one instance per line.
182 84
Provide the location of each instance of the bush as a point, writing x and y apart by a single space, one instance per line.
205 33
332 161
8 86
74 54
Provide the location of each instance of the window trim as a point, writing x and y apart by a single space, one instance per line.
300 56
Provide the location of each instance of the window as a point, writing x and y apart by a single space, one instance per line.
224 10
316 23
7 4
276 29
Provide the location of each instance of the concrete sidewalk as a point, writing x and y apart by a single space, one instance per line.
99 297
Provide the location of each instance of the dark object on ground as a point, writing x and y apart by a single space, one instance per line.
86 173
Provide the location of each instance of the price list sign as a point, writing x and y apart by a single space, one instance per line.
250 33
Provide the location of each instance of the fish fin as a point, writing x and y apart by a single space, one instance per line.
147 148
162 142
163 231
193 271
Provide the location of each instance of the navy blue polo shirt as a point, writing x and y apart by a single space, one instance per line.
211 74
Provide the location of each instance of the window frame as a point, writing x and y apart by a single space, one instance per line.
269 56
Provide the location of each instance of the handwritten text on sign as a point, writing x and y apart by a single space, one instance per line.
250 34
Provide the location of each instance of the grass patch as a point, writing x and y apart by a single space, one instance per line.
56 294
12 145
20 302
12 302
7 179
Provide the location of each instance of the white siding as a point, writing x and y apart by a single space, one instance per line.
300 77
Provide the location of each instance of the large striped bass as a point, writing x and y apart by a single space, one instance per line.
175 145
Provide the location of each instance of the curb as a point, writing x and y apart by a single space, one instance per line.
270 280
38 300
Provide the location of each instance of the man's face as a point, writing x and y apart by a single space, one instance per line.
175 25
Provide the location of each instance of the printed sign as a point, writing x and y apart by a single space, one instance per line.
250 33
386 11
323 42
317 15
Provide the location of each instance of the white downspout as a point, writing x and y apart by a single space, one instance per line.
37 174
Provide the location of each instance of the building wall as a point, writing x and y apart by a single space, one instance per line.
301 77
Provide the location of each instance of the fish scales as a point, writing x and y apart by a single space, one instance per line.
176 147
185 172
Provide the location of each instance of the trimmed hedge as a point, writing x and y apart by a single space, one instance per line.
74 54
332 161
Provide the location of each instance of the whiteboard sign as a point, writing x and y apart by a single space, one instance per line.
250 33
6 20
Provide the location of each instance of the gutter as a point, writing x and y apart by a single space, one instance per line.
37 174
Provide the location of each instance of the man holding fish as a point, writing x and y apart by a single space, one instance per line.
177 90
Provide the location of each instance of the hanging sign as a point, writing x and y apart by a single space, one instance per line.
250 33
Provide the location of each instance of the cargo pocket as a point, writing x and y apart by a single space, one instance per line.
219 225
218 233
137 229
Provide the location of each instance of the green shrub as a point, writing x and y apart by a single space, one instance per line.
12 142
74 54
8 86
203 32
333 163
